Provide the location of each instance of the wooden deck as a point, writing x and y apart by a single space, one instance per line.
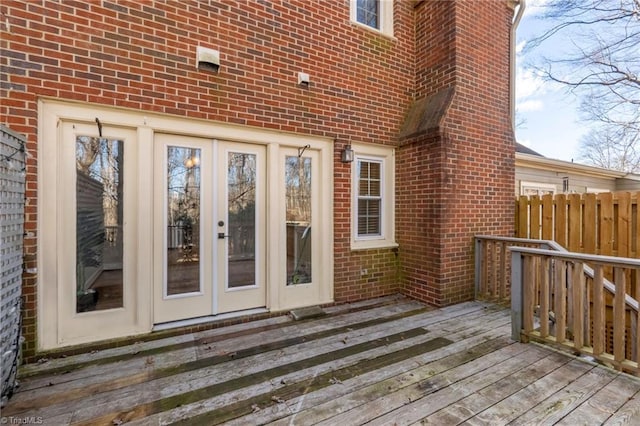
384 361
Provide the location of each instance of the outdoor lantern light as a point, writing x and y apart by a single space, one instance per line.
347 154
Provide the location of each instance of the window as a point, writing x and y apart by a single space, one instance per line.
373 198
376 14
369 197
536 188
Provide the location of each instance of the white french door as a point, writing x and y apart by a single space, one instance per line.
209 222
241 227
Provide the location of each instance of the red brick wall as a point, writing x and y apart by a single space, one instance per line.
458 181
140 55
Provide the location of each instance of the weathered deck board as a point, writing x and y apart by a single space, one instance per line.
473 404
385 361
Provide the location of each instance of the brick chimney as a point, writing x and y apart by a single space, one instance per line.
455 164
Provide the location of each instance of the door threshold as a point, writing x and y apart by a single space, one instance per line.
209 318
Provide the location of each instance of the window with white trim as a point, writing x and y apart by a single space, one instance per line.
369 214
536 188
373 197
375 14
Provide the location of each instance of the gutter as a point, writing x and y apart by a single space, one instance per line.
512 59
561 166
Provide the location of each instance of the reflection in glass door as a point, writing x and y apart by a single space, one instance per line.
99 223
241 229
183 221
298 208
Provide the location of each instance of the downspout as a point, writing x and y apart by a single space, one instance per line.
512 60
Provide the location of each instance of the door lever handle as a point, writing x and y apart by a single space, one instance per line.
221 236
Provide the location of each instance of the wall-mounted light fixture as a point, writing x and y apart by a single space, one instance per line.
207 59
347 154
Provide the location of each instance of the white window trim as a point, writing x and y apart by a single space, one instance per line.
538 186
386 17
385 155
596 190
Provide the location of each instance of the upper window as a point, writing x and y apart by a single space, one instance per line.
373 197
376 14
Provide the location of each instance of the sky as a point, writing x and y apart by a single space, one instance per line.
548 114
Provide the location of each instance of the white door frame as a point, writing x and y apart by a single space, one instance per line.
52 331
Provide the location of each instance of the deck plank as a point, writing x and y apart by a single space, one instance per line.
414 402
335 364
142 390
383 361
473 404
561 403
309 400
142 368
602 405
515 405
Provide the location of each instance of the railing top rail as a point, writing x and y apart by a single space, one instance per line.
552 244
592 258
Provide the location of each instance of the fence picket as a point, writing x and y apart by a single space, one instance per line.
624 220
574 218
606 223
560 202
547 217
523 218
535 214
589 226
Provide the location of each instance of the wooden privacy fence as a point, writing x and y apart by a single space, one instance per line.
605 223
558 299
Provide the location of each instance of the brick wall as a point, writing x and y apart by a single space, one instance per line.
140 54
457 180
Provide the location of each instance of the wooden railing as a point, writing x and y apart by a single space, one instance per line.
556 298
493 264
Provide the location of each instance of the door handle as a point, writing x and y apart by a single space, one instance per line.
221 236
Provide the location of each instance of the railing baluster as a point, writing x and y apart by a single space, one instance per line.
494 270
619 315
517 311
561 300
598 310
544 296
577 295
503 271
485 268
528 280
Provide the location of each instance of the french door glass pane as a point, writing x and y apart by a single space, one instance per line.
298 217
99 224
241 229
183 220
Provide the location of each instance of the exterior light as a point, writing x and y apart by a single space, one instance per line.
347 154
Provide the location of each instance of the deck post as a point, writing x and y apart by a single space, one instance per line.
478 266
516 295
